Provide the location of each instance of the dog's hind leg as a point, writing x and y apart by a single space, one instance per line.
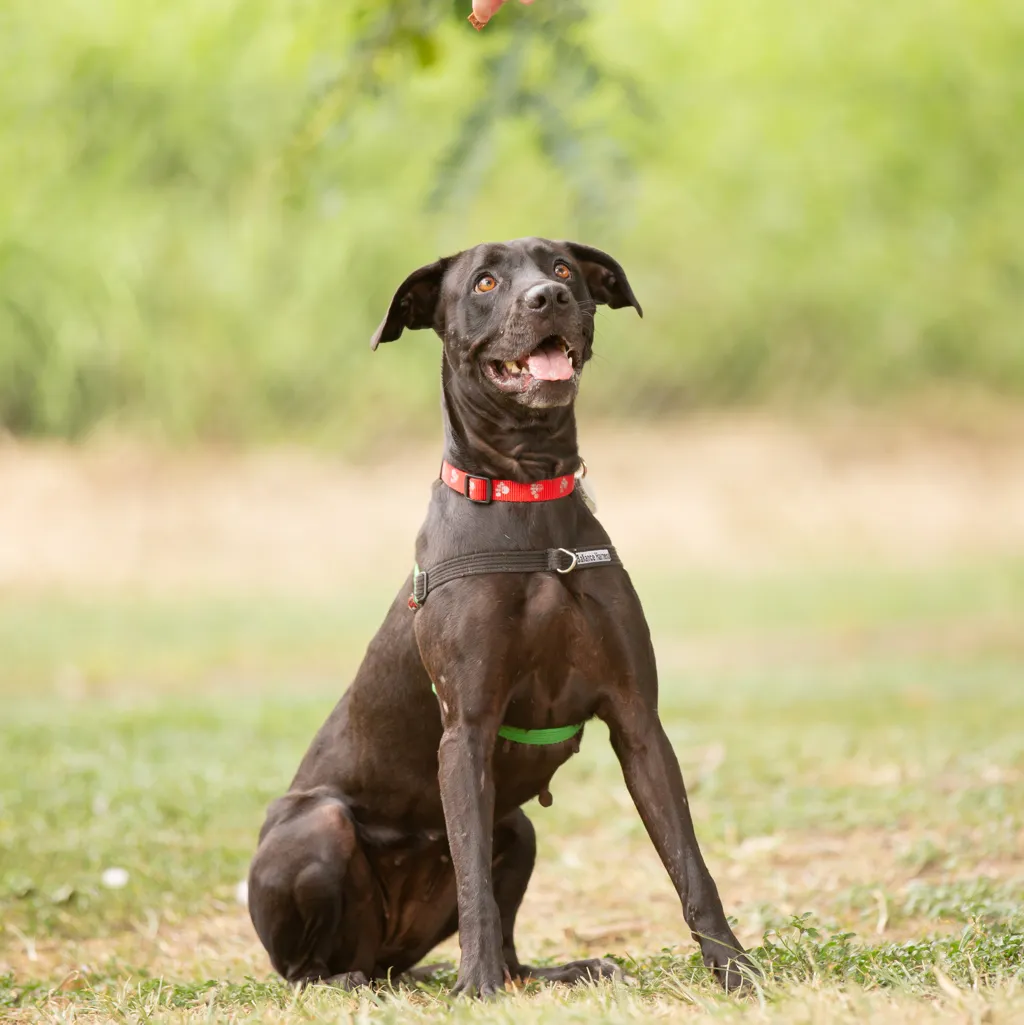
515 848
311 895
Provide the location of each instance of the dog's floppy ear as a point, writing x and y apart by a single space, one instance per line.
414 305
606 280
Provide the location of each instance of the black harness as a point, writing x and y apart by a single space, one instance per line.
556 560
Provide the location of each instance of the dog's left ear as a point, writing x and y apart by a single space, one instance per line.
414 305
606 280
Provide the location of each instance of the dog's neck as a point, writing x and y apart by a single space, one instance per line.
483 436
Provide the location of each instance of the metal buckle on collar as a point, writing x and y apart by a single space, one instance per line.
489 490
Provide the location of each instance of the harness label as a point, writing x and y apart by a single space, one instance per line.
596 556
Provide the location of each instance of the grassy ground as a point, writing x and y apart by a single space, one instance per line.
851 735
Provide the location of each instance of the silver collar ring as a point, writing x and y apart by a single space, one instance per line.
572 565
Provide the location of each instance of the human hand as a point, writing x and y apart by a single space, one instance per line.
484 10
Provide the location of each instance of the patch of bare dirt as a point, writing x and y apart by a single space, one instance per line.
740 494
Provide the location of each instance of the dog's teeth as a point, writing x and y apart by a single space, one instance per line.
512 368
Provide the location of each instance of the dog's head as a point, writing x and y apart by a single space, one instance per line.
516 318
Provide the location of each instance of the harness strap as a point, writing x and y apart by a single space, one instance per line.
558 560
538 738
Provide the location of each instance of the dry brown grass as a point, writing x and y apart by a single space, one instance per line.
732 494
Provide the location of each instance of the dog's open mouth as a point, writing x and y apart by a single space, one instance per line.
552 360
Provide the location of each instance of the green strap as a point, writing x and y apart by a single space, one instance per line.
555 735
539 738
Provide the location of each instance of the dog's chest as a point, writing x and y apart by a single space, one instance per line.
561 656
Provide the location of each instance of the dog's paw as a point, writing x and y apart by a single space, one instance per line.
347 980
732 967
477 981
591 970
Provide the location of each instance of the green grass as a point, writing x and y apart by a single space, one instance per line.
796 955
85 645
859 793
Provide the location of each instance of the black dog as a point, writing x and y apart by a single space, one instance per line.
404 821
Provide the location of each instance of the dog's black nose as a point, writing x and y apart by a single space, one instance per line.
547 294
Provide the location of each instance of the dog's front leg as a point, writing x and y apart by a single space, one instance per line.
655 783
470 690
467 793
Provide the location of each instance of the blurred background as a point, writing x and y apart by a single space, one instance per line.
810 452
204 209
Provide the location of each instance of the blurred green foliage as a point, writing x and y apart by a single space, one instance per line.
204 206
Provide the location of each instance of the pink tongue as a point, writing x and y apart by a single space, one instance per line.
549 364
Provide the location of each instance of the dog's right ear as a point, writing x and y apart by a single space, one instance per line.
414 304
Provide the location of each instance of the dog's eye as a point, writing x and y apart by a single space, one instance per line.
562 271
485 284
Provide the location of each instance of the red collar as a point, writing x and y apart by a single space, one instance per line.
485 490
